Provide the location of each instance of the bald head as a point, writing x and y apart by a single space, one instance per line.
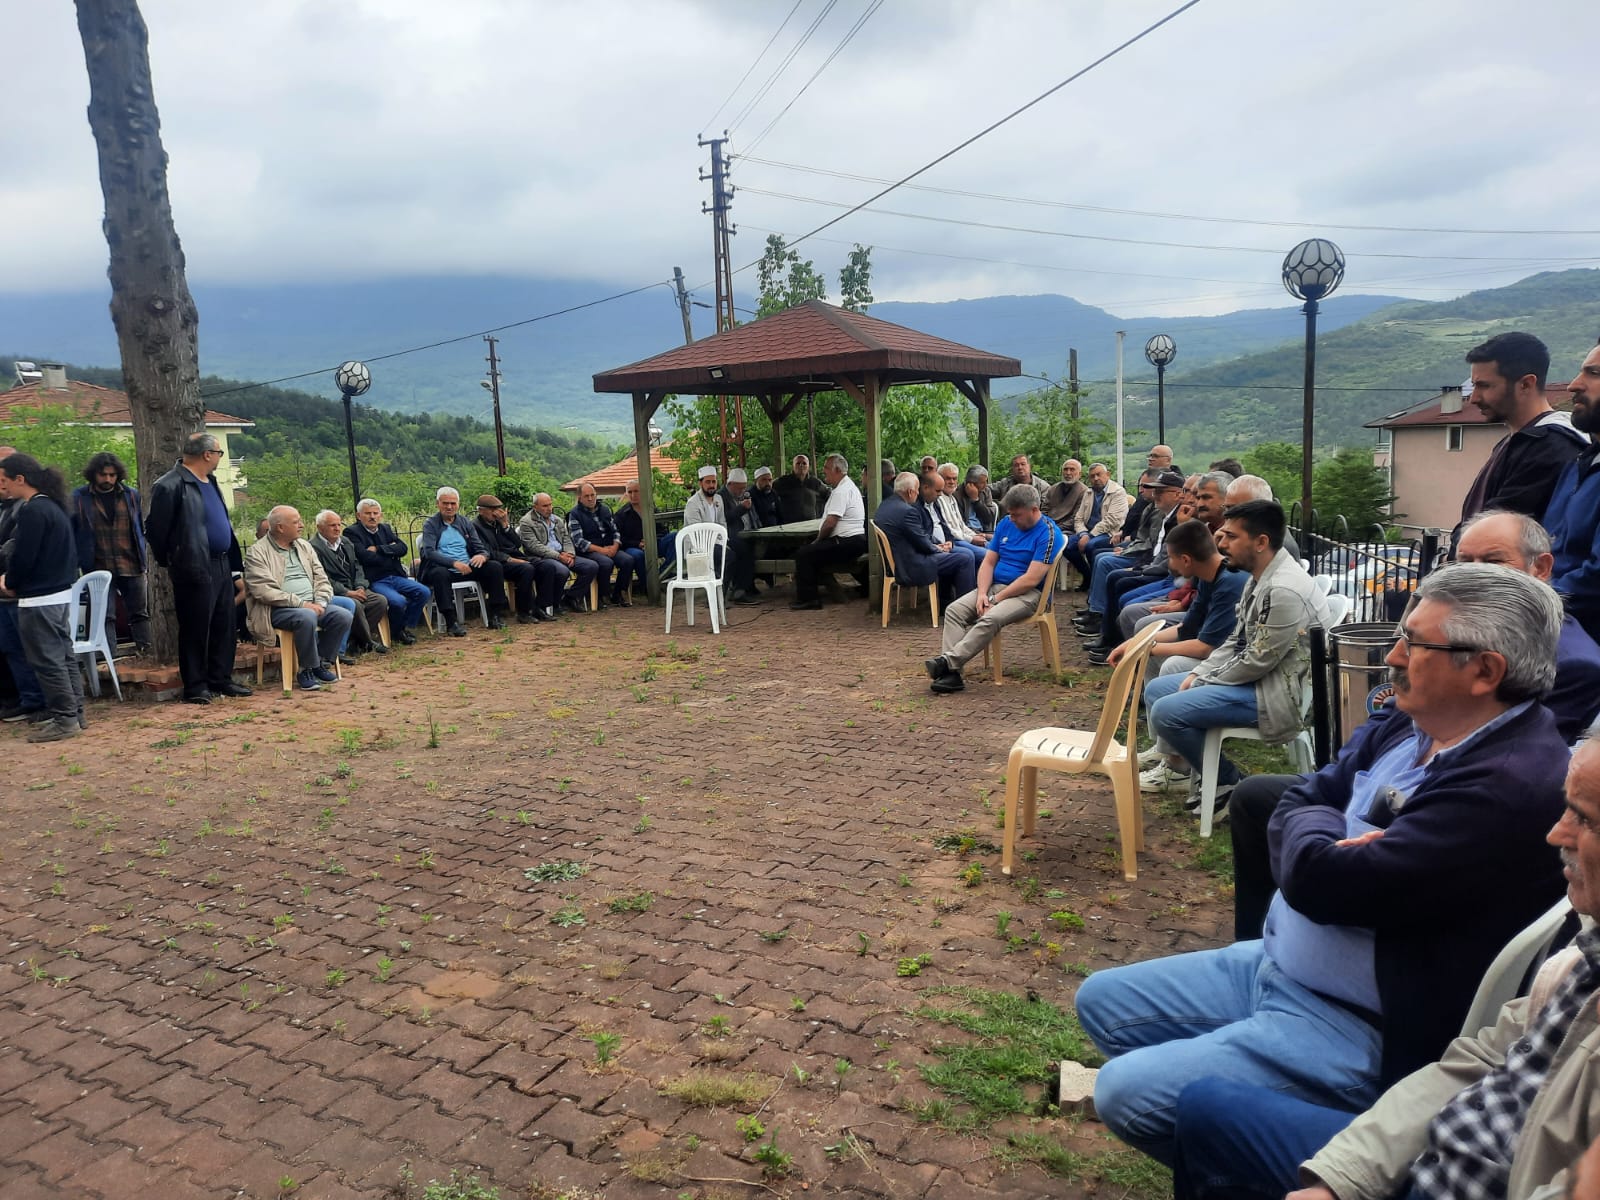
284 525
1506 539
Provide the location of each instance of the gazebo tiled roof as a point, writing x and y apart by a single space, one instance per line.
612 480
95 404
811 341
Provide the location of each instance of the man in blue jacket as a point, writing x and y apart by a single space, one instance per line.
109 525
1403 867
451 551
1573 515
918 560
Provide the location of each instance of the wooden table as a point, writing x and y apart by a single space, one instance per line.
787 538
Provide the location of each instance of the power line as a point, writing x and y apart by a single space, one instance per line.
750 157
711 124
450 341
761 93
873 7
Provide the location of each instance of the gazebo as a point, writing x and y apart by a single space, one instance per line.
781 359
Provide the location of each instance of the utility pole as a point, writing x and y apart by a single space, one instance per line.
683 304
1072 401
494 390
722 260
1120 335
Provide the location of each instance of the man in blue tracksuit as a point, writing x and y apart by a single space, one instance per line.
1573 517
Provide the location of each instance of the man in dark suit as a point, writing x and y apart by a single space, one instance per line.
918 559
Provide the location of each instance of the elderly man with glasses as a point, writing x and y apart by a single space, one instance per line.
1403 868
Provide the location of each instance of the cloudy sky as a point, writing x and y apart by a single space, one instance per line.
356 139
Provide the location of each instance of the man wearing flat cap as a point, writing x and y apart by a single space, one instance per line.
535 581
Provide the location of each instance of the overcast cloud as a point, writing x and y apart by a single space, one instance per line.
318 139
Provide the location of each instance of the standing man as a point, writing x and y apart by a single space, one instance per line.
286 588
841 540
1060 503
40 572
1573 515
524 574
594 534
1508 376
189 534
30 699
382 556
110 526
801 494
452 551
1021 472
1102 509
342 565
544 536
920 557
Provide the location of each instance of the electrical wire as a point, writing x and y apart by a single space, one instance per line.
873 7
711 124
761 93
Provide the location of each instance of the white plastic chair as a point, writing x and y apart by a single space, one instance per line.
1504 978
699 568
1338 609
1325 582
462 593
97 586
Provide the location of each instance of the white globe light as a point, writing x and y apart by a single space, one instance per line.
352 378
1313 269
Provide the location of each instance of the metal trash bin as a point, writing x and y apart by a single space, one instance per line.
1363 676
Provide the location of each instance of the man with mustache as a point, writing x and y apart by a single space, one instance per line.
1403 867
1573 515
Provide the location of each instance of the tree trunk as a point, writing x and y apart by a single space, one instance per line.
151 307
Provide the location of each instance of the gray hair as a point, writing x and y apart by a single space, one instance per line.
631 483
905 482
1221 480
1532 540
324 515
197 444
446 491
1513 614
1021 495
1093 467
837 462
1253 486
365 503
279 515
943 467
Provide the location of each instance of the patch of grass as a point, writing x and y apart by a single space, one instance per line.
1044 1152
964 842
568 917
559 871
638 902
719 1089
910 968
605 1046
1137 1175
1015 1042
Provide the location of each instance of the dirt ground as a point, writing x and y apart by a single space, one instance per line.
287 947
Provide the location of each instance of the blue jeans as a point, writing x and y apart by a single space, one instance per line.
636 553
973 549
316 639
1100 576
30 694
1238 1140
1181 719
349 606
407 598
1082 559
1232 1013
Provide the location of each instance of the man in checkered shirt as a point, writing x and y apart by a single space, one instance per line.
1504 1115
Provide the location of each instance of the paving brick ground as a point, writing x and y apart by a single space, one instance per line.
274 941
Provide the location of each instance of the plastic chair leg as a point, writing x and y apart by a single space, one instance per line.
94 672
888 586
669 608
1208 779
1127 800
714 604
288 663
994 649
1008 849
1030 799
1050 643
933 603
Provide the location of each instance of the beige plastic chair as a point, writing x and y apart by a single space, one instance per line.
1044 617
1087 752
288 660
892 584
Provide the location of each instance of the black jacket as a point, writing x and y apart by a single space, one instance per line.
45 557
909 529
500 542
380 551
175 530
1522 470
342 565
767 506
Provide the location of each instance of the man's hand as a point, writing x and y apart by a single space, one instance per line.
357 593
945 547
983 603
477 560
1169 606
313 606
608 551
1083 542
1115 656
1370 835
1312 1193
1188 682
566 558
461 568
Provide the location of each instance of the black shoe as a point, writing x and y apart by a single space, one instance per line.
622 599
951 682
496 621
348 660
456 629
526 618
232 689
937 667
1101 657
547 614
405 637
197 697
16 713
805 605
573 602
378 648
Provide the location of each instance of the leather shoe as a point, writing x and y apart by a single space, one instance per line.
378 648
496 622
547 614
348 660
1100 657
526 618
232 689
405 637
456 630
937 667
197 698
951 682
805 605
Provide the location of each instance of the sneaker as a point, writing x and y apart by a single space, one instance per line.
307 682
378 648
16 713
325 674
1219 803
54 730
1149 758
1163 777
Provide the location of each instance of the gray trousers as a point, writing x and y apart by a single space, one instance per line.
135 593
46 634
316 641
966 633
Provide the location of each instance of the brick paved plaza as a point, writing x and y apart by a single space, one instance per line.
285 947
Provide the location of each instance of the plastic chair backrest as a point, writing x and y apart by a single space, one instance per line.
1325 582
1048 583
1506 974
1338 609
695 552
883 546
97 585
1124 680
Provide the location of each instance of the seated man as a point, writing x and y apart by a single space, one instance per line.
739 510
1060 503
1573 516
1164 491
367 608
630 528
535 582
1257 678
544 536
1021 472
1404 866
978 508
286 588
709 506
1205 503
840 542
1505 539
948 509
382 556
594 536
451 551
918 558
1146 580
1025 543
1099 517
764 499
1507 1110
1192 554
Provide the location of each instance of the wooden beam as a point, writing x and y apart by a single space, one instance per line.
780 414
871 398
644 407
855 390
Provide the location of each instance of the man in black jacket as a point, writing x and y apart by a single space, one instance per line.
451 552
189 534
1508 376
594 536
525 575
338 557
109 523
382 556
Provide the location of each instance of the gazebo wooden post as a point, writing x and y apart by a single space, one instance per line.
644 407
977 391
867 393
774 407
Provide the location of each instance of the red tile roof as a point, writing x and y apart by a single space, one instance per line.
95 404
1432 413
813 340
613 480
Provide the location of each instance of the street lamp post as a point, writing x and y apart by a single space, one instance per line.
1311 271
1159 351
353 379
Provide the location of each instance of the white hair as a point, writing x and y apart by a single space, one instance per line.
1253 486
446 491
365 503
837 462
324 515
905 483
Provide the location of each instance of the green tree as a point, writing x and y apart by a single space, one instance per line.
785 279
58 437
1044 429
855 280
1348 485
1279 464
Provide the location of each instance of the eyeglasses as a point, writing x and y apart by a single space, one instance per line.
1412 643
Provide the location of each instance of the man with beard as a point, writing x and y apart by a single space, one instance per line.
109 525
1573 515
